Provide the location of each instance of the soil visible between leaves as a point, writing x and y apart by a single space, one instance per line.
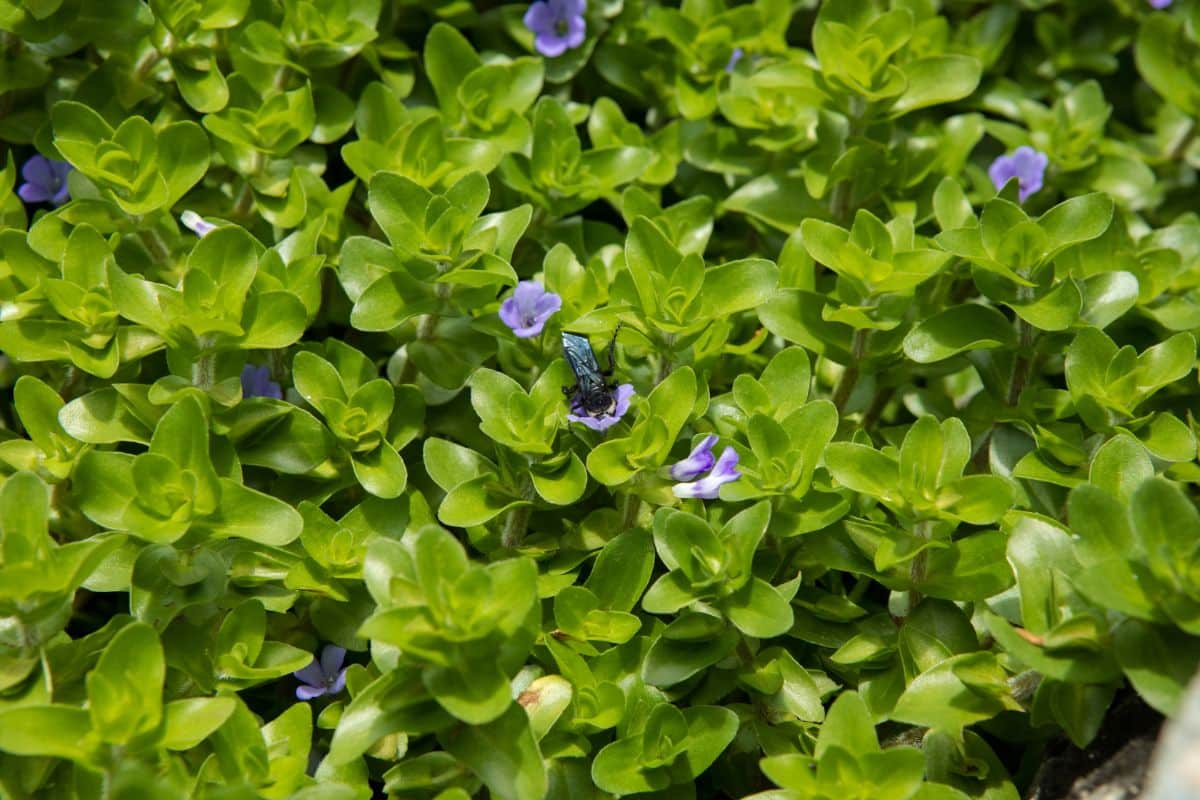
1112 767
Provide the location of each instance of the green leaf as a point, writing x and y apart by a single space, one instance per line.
51 730
449 58
191 720
956 330
1075 220
503 753
847 725
125 688
622 570
250 514
381 472
759 610
1159 662
738 286
937 79
710 729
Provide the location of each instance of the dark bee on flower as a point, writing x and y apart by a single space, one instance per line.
595 401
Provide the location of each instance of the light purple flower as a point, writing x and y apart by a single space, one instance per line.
1027 165
709 486
196 223
558 25
604 421
734 58
256 382
699 461
1160 4
45 181
325 676
528 309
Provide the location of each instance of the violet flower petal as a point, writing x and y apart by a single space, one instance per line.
539 17
708 487
734 58
576 32
310 692
312 674
33 193
624 394
38 170
527 310
699 461
558 25
45 181
339 683
196 223
1026 164
62 195
331 660
510 313
256 382
550 45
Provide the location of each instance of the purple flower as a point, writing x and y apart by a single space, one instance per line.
558 24
699 461
1026 165
256 382
196 223
604 421
45 181
528 309
1160 4
709 486
325 676
734 59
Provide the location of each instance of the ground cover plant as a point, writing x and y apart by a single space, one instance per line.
427 399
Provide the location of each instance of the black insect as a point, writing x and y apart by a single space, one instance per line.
592 393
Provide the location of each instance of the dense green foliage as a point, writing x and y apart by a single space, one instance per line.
960 519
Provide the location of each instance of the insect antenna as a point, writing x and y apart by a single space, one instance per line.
612 349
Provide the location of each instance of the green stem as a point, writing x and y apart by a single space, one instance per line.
425 330
1023 363
155 244
859 589
630 511
665 362
204 371
843 193
878 404
514 527
845 385
918 569
1183 141
244 202
74 376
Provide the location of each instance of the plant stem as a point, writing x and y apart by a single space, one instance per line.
425 331
155 244
514 527
665 360
1024 360
204 371
878 404
842 194
845 385
244 202
920 563
629 513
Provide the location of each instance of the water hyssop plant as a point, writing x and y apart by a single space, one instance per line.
432 399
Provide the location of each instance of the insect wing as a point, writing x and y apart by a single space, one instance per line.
578 352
